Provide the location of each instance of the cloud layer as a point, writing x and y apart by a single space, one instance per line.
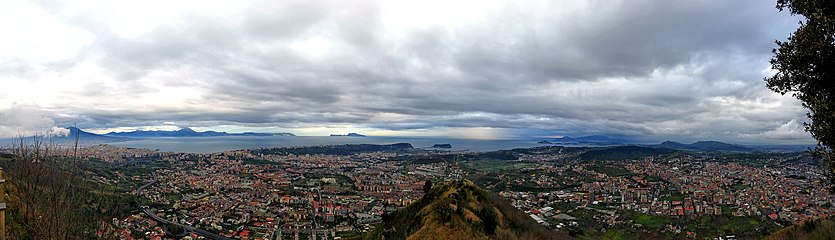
649 69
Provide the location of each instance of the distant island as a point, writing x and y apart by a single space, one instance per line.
544 142
348 135
188 132
444 145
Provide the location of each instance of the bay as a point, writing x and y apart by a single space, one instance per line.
220 144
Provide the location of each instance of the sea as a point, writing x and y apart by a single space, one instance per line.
228 143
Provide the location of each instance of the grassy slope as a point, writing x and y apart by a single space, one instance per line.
820 229
460 210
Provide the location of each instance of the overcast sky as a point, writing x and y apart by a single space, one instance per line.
650 70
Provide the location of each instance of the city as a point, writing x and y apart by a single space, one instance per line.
272 194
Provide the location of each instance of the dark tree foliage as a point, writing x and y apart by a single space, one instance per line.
805 67
427 186
49 198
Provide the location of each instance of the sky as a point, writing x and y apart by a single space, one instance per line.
646 70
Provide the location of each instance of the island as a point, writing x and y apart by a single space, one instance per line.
348 135
444 145
544 142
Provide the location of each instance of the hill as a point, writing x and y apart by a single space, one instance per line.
704 146
188 132
623 152
348 135
460 210
819 229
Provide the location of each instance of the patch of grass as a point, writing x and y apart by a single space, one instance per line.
495 166
615 234
671 198
652 222
611 171
810 229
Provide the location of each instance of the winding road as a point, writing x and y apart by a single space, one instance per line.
188 229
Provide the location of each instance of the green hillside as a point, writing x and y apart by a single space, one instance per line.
623 153
819 229
460 210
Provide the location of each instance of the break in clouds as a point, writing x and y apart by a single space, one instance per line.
651 70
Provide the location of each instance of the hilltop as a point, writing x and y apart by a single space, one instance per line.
460 210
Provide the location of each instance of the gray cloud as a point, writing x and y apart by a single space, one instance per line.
655 69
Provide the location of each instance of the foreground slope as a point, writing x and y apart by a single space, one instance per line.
460 210
818 229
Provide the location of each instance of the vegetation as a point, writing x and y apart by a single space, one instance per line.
459 210
49 199
805 66
652 222
427 186
611 170
819 229
623 152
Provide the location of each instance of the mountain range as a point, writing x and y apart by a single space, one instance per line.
188 132
85 137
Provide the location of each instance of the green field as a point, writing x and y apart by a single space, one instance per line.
652 222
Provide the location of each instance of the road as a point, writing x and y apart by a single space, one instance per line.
189 229
139 190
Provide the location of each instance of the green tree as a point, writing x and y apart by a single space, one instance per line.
427 186
805 67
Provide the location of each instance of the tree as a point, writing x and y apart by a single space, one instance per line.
805 67
49 197
427 186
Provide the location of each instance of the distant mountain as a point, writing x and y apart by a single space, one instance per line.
460 210
672 145
188 132
348 135
704 146
86 137
623 153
